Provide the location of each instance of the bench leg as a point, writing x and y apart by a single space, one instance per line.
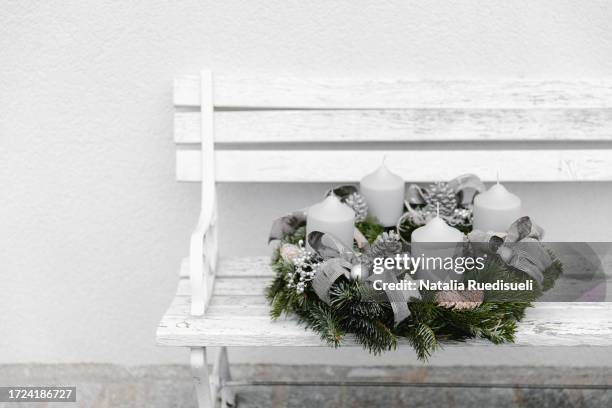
221 374
201 378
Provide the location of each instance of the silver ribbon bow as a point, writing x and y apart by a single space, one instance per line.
520 248
339 260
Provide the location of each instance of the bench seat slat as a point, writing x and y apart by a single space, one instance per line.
414 125
238 315
413 166
224 306
245 266
239 286
544 325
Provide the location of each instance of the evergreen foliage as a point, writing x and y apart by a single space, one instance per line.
351 312
370 228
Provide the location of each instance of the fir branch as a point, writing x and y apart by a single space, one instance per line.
353 297
372 334
423 339
370 228
325 322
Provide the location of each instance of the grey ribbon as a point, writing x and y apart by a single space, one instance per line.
287 225
343 191
338 260
327 273
397 298
521 247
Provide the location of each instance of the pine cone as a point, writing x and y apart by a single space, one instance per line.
460 300
358 203
387 245
440 193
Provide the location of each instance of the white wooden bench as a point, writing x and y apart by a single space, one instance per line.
279 129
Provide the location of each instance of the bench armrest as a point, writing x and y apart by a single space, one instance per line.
203 254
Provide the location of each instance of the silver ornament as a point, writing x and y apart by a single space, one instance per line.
356 272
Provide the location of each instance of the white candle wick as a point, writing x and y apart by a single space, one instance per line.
384 160
437 209
497 177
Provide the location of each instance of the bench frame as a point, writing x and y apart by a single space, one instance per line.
203 257
532 109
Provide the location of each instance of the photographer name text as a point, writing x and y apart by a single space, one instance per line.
470 284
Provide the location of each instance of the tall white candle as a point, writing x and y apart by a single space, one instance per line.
496 209
332 217
384 192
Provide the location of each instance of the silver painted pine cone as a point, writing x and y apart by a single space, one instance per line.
440 193
358 203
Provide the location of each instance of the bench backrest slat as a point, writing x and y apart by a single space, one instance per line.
411 125
332 130
356 93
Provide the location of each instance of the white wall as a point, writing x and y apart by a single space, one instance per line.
92 224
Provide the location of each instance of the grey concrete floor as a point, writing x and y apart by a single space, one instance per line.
170 386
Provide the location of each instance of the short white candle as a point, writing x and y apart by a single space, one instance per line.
435 231
384 192
496 209
332 217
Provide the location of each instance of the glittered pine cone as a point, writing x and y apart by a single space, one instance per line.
443 194
460 300
358 203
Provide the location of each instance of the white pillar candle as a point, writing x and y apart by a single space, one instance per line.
436 230
384 192
496 209
332 217
436 239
